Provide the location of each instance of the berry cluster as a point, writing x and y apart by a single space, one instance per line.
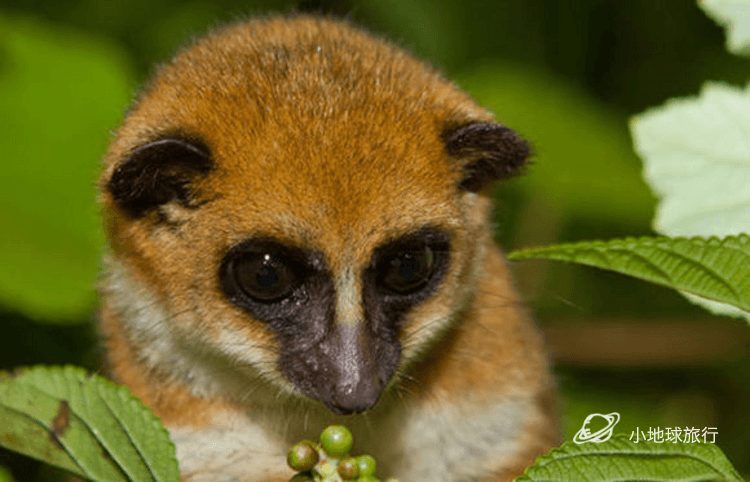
329 461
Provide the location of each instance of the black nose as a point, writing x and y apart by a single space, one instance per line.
346 370
349 397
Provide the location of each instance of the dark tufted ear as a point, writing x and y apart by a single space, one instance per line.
157 173
490 152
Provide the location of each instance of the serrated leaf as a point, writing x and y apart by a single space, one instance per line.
24 433
84 424
735 16
713 268
696 157
620 459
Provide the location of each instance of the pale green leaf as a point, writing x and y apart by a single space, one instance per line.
620 459
84 424
696 157
735 16
713 268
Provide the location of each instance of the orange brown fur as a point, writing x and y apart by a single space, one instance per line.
331 140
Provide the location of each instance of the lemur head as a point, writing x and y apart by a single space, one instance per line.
304 201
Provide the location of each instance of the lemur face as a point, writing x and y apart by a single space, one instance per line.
304 204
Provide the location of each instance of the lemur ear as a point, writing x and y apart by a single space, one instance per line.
159 172
489 151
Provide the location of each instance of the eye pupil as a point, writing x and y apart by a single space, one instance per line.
264 277
408 266
409 270
267 278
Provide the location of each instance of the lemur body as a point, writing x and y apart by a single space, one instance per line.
298 236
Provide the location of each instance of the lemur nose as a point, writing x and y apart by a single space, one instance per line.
350 397
356 385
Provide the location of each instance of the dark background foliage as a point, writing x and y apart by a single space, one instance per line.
565 74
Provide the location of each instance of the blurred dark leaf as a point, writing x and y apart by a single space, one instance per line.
60 92
584 163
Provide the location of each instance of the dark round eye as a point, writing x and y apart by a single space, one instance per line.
264 276
407 271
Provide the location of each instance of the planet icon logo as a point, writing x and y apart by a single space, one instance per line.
602 435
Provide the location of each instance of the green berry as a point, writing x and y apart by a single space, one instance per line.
326 470
348 468
303 477
302 456
366 465
336 440
367 478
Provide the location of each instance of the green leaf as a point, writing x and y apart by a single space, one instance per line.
713 268
620 459
61 93
696 157
84 424
735 16
5 475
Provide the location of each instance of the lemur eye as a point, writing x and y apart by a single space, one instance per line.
407 271
409 268
274 281
264 276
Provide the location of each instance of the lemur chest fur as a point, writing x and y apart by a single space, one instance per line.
298 234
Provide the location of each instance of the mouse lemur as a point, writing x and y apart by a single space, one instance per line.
298 235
